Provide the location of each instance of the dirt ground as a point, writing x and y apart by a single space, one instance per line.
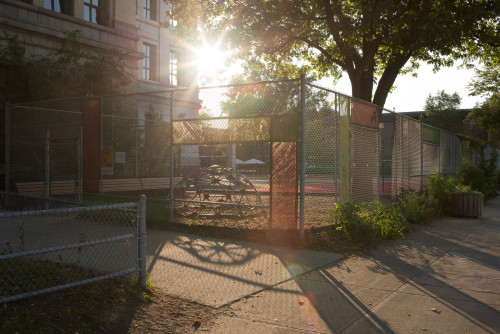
319 229
104 308
112 306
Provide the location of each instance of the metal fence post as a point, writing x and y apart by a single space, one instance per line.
302 153
141 240
47 168
171 171
421 156
101 143
7 147
79 162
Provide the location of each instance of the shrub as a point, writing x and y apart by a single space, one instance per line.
470 174
418 206
489 166
441 187
368 223
352 225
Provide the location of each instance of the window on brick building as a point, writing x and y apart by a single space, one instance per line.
174 69
149 62
171 20
59 6
149 9
96 11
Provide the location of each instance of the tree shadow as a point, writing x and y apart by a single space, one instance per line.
346 293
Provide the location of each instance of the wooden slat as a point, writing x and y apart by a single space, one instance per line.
109 185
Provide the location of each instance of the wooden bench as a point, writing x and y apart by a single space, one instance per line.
38 188
109 185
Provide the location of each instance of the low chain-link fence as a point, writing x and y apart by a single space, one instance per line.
285 152
49 244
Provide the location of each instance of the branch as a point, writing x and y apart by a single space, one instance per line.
320 49
330 21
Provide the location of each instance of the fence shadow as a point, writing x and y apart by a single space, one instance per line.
346 294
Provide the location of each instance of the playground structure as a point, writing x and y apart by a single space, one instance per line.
215 191
310 143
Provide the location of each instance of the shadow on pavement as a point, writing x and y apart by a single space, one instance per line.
433 264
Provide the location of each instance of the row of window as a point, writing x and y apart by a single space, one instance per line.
97 11
150 65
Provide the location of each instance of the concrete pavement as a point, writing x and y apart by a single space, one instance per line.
443 278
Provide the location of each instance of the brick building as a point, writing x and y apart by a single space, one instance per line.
154 56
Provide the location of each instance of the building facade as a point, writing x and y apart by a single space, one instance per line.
155 58
136 27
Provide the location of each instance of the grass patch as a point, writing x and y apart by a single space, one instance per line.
79 309
18 276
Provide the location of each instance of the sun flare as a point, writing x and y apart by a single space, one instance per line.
210 61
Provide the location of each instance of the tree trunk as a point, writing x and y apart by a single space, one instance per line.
362 84
387 79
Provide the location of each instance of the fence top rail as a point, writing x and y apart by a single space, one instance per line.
167 90
66 210
217 118
342 94
19 106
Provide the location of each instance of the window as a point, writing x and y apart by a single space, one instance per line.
172 22
59 6
96 11
173 69
149 9
149 62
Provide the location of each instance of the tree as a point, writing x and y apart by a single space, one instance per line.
70 70
372 41
442 111
486 116
487 80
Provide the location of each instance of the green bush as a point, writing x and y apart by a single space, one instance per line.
470 174
441 187
418 206
489 166
367 223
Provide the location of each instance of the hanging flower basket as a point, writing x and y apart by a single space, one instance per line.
467 204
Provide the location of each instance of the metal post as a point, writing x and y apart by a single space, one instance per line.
136 163
7 147
302 152
47 167
402 156
101 140
379 157
337 169
79 157
171 188
141 240
421 156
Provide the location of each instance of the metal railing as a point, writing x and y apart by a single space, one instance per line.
47 245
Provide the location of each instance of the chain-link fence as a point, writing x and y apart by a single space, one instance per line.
285 152
49 244
412 151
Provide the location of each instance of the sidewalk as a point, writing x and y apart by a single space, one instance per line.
444 278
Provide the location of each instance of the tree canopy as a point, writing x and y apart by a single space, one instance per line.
486 116
70 70
373 41
442 111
